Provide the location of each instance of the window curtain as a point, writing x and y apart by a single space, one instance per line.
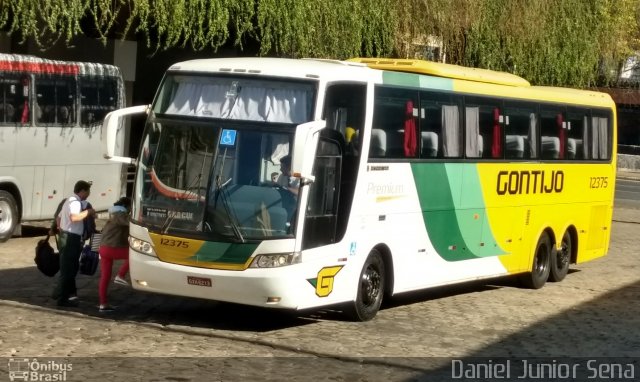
561 135
585 137
451 131
599 138
410 140
245 103
472 128
603 138
496 146
533 135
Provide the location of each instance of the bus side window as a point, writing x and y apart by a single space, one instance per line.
44 107
55 95
553 138
483 128
345 111
521 126
440 126
7 113
97 99
394 132
578 134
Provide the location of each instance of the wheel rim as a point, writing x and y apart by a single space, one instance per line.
562 259
542 263
6 217
370 285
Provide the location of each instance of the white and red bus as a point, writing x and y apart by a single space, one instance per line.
51 116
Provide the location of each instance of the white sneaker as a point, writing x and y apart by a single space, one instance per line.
121 281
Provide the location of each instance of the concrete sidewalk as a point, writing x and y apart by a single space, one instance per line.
628 174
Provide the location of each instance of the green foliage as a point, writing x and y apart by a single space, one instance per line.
325 28
552 42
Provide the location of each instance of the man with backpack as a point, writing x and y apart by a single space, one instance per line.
71 226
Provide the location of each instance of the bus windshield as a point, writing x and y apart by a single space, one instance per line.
217 174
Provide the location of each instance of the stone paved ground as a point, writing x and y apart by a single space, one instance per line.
592 313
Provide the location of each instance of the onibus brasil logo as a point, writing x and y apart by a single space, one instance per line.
25 369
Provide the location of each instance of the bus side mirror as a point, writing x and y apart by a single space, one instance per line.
113 127
304 149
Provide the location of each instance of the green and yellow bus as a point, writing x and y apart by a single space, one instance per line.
298 184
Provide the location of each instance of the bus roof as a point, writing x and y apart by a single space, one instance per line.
463 79
443 70
23 63
279 67
489 82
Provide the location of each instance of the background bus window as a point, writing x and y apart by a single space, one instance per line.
10 99
393 134
521 126
97 98
55 98
483 128
440 126
553 137
578 134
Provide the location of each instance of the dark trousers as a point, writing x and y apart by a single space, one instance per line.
69 263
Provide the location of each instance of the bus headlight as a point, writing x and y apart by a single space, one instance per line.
274 260
141 246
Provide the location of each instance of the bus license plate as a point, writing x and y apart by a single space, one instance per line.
199 281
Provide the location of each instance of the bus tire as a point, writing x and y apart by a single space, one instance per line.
8 215
371 286
560 259
541 264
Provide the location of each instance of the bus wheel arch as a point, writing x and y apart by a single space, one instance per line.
372 286
560 259
10 211
541 264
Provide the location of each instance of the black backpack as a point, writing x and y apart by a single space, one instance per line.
47 260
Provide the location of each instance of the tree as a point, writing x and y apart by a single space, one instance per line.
550 42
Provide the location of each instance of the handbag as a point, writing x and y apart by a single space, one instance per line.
89 260
47 260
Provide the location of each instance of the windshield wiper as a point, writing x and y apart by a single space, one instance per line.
221 193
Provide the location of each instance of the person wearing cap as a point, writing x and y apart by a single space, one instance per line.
71 225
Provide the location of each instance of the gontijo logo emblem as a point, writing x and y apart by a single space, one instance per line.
324 282
24 369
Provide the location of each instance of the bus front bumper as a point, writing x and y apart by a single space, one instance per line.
284 287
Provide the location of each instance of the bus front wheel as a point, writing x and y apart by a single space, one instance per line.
8 215
370 289
541 264
560 259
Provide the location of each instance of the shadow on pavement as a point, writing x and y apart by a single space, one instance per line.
603 331
29 286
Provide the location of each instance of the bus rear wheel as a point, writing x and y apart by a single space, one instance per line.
541 264
8 216
560 259
370 289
